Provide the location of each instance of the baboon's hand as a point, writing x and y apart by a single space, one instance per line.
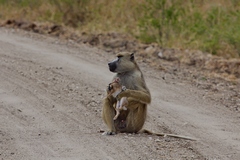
108 88
124 88
124 93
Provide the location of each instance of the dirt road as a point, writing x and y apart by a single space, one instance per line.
50 108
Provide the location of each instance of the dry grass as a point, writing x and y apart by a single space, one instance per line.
211 26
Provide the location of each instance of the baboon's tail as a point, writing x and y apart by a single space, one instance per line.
168 135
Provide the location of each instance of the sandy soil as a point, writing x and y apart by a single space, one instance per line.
51 95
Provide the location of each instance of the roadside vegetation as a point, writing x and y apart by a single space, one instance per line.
209 25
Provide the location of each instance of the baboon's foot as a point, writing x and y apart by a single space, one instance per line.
108 133
115 117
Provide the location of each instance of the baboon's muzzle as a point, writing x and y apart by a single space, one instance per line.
112 66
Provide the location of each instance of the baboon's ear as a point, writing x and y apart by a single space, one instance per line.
132 57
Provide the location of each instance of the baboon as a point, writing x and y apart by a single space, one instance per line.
114 89
137 93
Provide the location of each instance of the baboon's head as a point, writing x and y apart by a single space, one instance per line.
115 84
124 63
114 87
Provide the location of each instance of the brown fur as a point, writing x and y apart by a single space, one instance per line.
137 93
138 96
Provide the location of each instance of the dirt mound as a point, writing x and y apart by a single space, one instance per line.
115 42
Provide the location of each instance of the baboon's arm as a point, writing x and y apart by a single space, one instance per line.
109 101
108 113
140 96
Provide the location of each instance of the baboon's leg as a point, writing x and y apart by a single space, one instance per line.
136 118
118 104
108 113
117 109
123 103
117 114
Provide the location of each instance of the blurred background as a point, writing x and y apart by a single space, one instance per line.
208 25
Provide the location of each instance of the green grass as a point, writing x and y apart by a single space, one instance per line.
211 26
187 26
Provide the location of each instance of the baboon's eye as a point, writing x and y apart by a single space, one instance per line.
132 57
110 87
119 57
